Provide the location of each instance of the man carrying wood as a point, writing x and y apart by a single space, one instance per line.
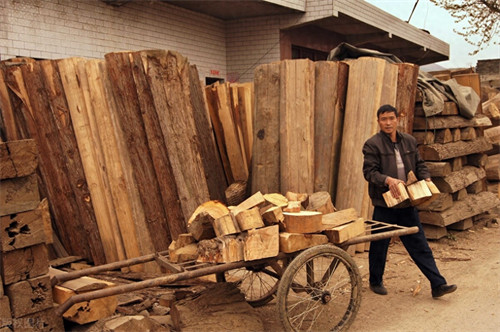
388 157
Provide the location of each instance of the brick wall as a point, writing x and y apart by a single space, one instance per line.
52 29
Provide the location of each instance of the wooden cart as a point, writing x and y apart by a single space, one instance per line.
317 289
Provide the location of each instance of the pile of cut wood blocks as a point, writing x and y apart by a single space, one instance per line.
262 226
455 149
25 289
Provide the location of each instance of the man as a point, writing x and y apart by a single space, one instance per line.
388 157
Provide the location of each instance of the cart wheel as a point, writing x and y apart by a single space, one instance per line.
319 291
259 283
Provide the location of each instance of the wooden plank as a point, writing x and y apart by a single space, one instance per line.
266 144
456 134
232 90
21 230
256 199
493 134
433 232
226 132
292 242
297 126
225 225
438 152
477 186
18 195
460 179
92 160
477 159
452 121
200 224
372 82
461 225
443 136
18 158
468 133
419 192
273 215
303 222
450 108
61 165
168 77
402 200
460 195
406 94
134 130
330 90
470 206
28 262
440 203
43 321
6 109
471 80
29 296
249 219
126 233
212 163
246 110
345 232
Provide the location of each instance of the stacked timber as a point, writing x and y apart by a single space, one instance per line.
454 149
262 226
25 290
127 147
491 109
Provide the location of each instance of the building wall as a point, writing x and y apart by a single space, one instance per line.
52 29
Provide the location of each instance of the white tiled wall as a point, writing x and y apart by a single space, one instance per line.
53 29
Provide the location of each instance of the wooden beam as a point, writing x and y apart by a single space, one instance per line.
438 152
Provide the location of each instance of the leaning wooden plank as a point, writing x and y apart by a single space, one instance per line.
232 90
330 89
460 179
303 222
345 232
372 83
46 114
297 126
6 110
90 151
338 218
60 164
18 195
167 182
470 206
103 125
212 163
406 94
262 243
438 152
452 121
130 120
291 242
246 110
167 73
18 158
266 130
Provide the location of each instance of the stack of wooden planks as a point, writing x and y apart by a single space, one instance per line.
231 113
127 150
491 109
25 290
262 226
454 149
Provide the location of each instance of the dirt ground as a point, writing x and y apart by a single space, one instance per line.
470 259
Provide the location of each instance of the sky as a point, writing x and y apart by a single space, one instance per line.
440 24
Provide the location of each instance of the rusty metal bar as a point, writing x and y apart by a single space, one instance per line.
56 279
380 236
168 279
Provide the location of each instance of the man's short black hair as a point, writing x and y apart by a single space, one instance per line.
387 108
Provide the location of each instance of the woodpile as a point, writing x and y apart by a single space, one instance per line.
249 231
25 289
455 149
122 167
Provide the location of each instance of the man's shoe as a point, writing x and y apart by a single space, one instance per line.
443 290
379 289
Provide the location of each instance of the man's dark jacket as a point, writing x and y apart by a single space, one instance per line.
380 162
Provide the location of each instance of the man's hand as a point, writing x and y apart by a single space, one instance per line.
392 183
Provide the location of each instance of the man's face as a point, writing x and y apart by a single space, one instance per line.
388 122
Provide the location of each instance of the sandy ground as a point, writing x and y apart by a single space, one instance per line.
470 259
